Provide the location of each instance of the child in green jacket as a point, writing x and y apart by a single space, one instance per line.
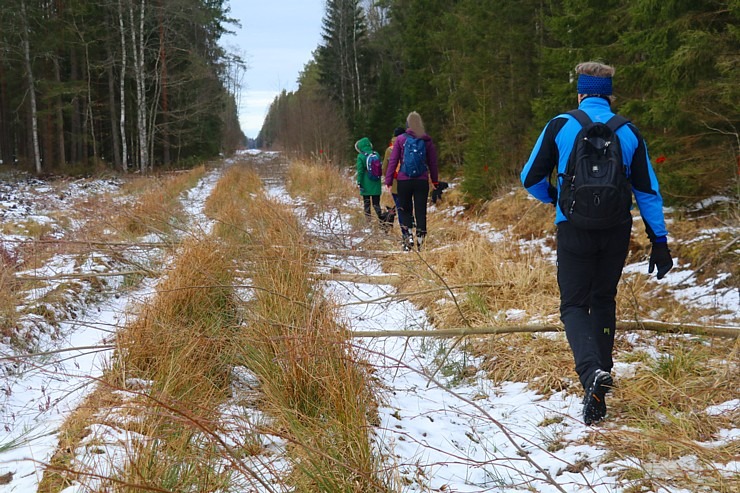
369 187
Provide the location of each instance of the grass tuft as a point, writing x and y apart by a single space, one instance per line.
181 338
157 209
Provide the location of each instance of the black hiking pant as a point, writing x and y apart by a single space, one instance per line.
412 205
590 264
375 199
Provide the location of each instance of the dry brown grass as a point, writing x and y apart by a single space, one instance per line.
175 454
86 219
227 203
59 473
182 345
239 183
516 212
181 339
660 412
319 183
709 254
313 386
187 338
543 361
157 208
9 293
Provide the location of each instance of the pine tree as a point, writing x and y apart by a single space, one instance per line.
341 57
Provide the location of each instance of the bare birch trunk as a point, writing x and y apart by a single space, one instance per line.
122 90
163 84
358 99
61 147
89 117
115 136
31 89
138 51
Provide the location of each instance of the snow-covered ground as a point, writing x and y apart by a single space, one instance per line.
440 431
446 433
41 391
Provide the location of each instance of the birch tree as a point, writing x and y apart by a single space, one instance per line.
31 86
122 88
137 48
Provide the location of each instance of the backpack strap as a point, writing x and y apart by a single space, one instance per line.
581 117
616 121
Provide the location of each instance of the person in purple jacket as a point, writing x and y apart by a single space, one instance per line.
412 191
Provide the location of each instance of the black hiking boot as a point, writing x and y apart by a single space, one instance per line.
594 403
420 241
407 242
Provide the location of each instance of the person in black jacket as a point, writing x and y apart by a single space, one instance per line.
589 261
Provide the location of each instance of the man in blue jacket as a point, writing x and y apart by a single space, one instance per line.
590 261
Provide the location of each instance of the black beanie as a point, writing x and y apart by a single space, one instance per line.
398 131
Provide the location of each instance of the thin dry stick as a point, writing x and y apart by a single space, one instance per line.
88 242
719 331
455 332
512 437
84 275
404 296
460 311
357 278
99 347
353 253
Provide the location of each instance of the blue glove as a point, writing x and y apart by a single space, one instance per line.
660 256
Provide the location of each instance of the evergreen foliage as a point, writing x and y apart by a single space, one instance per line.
487 76
85 63
342 58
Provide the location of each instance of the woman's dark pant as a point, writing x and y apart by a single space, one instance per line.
590 264
412 205
366 199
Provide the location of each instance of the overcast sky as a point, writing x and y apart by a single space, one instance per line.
276 39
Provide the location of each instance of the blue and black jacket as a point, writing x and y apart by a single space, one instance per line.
554 147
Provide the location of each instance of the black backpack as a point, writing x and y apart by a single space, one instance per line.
595 192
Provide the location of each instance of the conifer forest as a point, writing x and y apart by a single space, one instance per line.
115 84
487 75
145 85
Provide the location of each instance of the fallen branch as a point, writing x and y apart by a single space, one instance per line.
405 295
87 242
718 331
710 330
354 253
86 275
357 278
456 332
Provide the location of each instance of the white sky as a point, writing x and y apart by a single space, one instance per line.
277 38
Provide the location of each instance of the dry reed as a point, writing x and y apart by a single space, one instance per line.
313 385
319 183
157 209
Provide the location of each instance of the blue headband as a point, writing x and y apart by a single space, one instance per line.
588 84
